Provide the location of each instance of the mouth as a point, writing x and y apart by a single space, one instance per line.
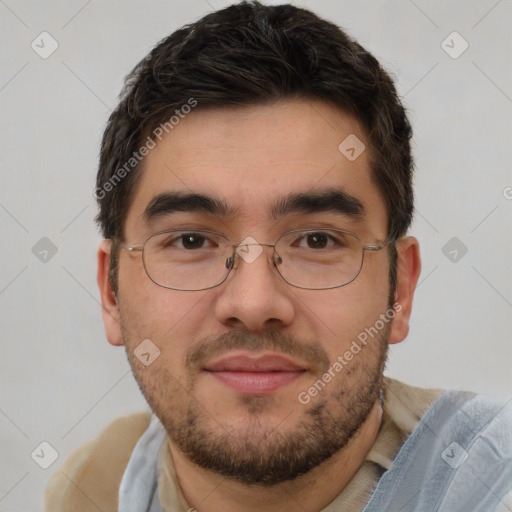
260 375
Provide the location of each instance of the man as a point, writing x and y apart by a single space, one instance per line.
255 194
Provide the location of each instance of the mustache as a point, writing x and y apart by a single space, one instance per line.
271 340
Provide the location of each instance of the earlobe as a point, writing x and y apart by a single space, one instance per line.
408 272
109 299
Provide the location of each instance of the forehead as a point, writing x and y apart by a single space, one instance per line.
251 157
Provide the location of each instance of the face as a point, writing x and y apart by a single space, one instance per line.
234 384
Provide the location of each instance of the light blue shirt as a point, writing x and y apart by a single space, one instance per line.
458 459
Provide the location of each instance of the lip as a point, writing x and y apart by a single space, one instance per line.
245 363
260 375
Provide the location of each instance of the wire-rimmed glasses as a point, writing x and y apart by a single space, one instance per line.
193 260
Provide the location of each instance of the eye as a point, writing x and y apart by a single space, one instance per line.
189 241
316 240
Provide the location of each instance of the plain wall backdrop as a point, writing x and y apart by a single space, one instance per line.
60 381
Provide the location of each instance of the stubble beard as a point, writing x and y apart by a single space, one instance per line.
256 452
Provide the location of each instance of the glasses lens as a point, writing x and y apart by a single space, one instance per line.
320 258
196 260
187 260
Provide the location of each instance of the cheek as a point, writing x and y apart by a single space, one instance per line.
345 313
153 342
168 318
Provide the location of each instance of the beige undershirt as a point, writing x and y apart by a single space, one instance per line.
402 410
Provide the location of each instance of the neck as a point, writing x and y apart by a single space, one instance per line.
209 492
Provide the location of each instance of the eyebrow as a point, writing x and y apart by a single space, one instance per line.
333 200
172 202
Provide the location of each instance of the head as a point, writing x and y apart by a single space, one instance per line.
235 124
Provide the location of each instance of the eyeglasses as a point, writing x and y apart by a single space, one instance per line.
313 259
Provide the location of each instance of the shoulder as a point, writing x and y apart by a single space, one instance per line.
463 438
403 408
406 405
89 479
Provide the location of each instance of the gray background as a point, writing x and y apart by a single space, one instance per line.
60 381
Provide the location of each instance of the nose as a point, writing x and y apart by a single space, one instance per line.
254 296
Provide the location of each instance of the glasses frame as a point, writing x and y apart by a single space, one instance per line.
231 261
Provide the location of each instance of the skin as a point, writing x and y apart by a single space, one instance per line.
250 157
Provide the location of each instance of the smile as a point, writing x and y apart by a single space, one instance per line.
255 376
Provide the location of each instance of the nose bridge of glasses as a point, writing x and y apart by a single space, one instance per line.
239 253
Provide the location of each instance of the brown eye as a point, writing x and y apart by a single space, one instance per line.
187 241
317 240
192 240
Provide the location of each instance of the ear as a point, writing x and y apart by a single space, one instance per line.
110 307
408 272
